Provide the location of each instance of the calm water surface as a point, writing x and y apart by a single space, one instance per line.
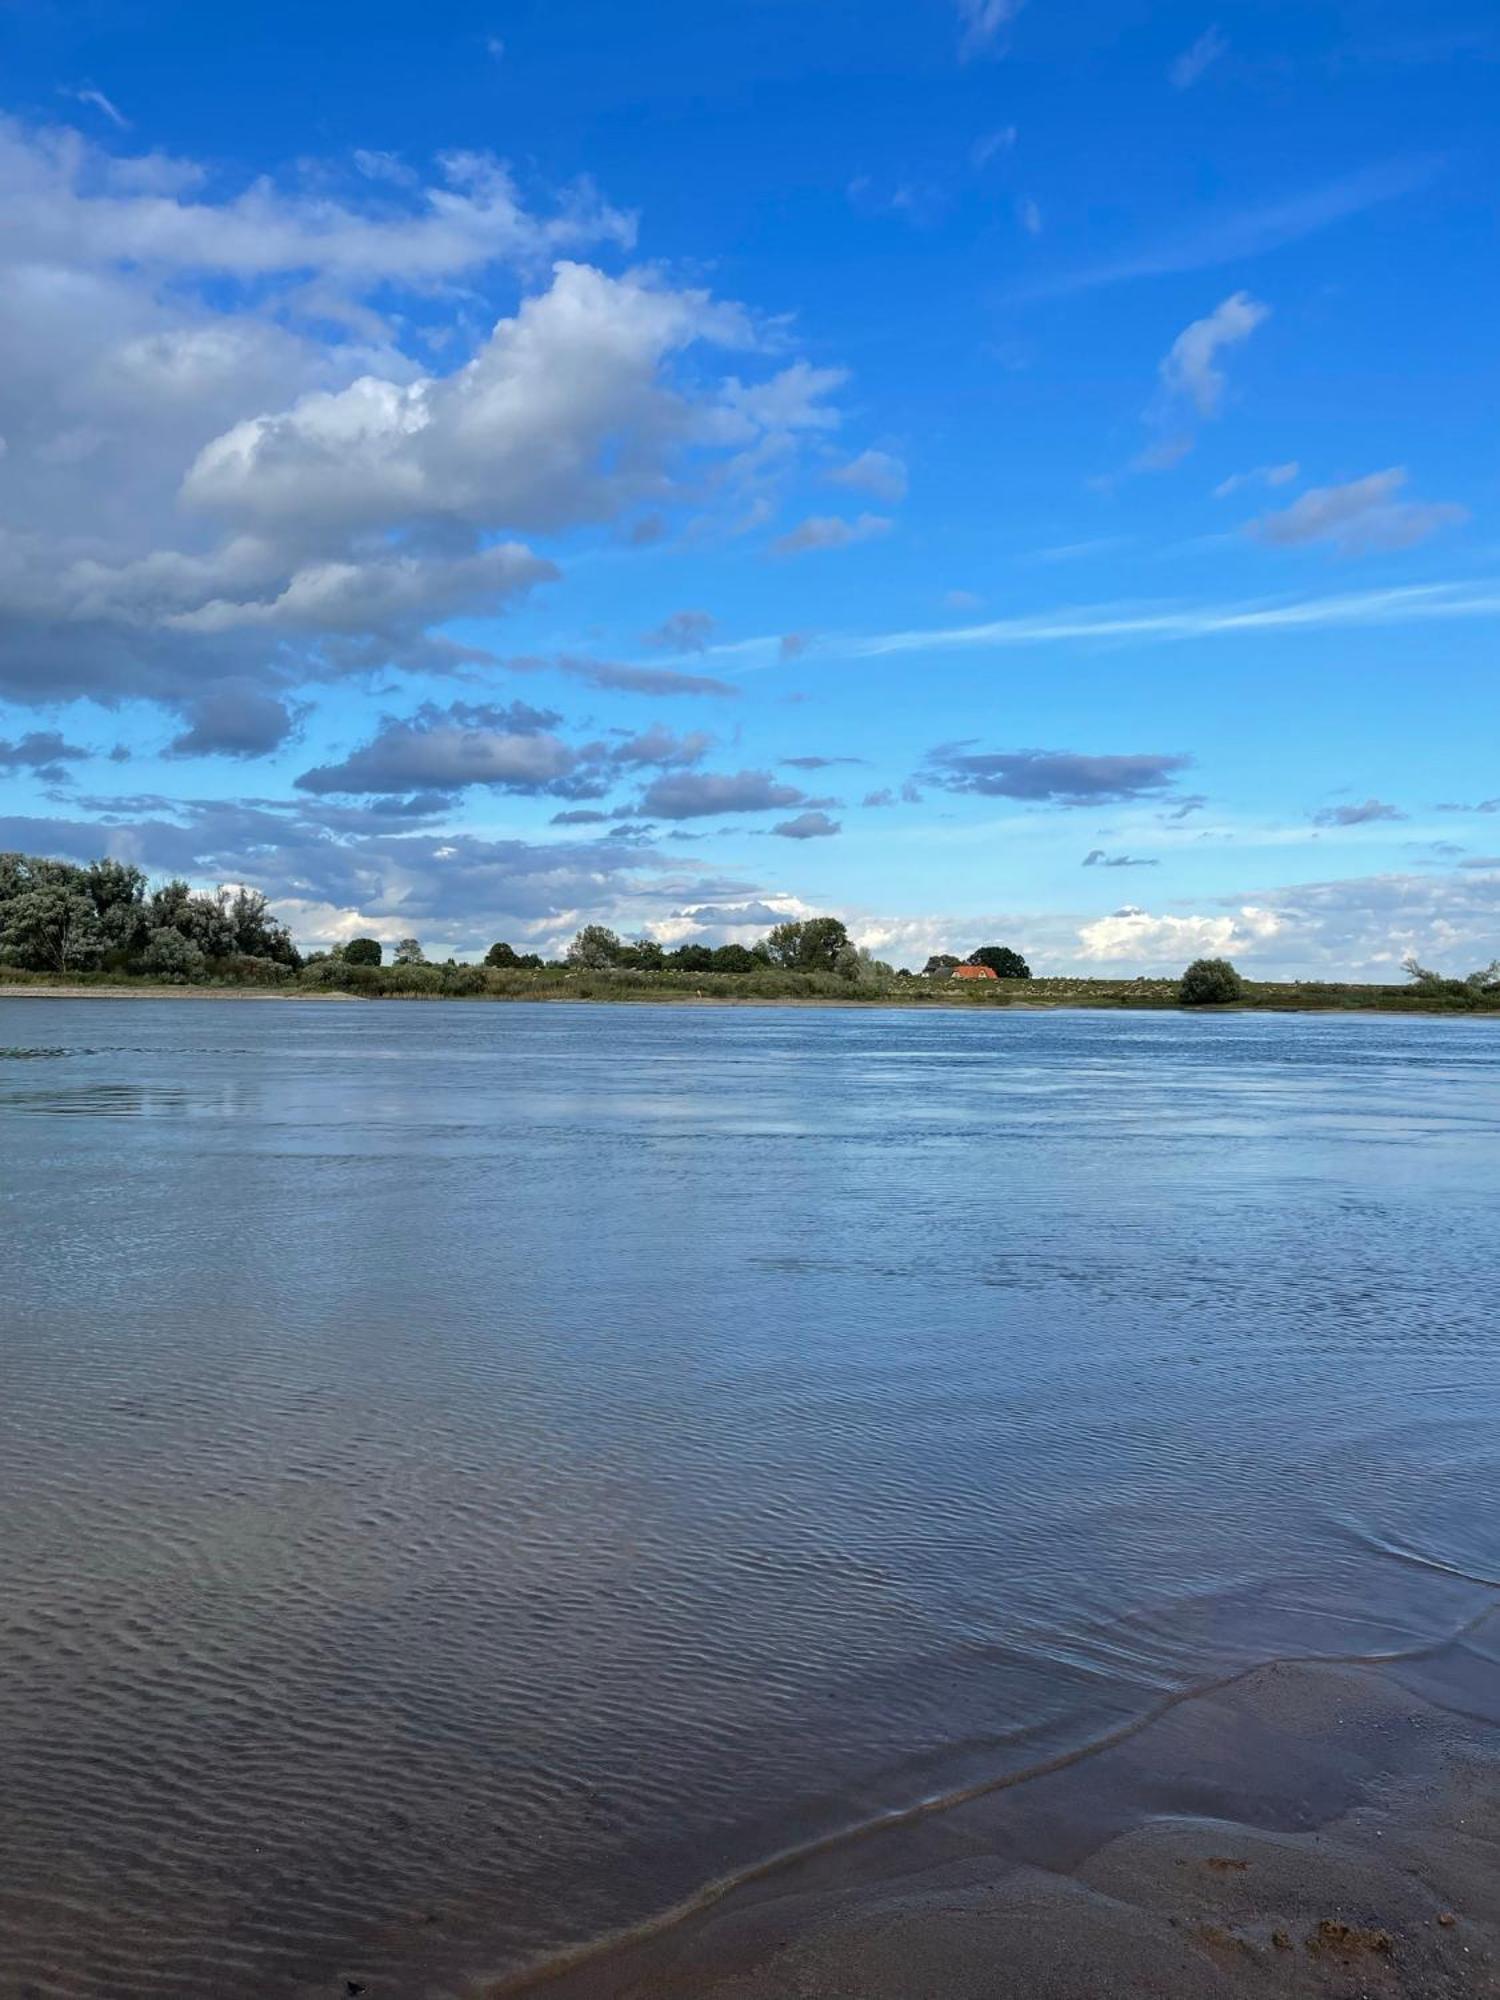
472 1473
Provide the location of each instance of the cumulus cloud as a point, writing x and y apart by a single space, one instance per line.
659 748
231 720
41 752
1357 815
1136 935
697 795
68 203
511 748
829 531
204 483
1361 517
1191 368
1196 61
877 472
807 826
1097 858
683 632
561 417
1053 777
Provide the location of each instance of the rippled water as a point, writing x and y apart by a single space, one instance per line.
472 1473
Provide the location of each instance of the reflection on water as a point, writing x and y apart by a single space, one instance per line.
471 1473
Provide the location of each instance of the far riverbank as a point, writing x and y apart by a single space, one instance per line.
468 982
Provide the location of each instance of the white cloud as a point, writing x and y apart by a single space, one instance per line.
829 531
561 416
1258 475
1195 61
1029 215
68 204
203 484
1405 604
86 93
985 148
1138 937
877 472
982 22
1190 369
1232 238
1362 517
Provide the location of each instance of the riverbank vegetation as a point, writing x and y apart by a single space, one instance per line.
104 927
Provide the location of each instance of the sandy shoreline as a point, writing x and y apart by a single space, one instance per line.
1308 1829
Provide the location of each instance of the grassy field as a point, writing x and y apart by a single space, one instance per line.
471 982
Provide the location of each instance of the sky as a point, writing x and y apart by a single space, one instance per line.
998 471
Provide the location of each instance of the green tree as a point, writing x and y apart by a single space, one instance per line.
502 955
171 955
118 893
1001 960
363 951
811 946
692 958
257 934
595 949
409 952
741 958
1210 982
53 926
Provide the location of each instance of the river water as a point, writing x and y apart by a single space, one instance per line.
472 1474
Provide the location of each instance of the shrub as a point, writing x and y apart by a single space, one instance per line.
1210 982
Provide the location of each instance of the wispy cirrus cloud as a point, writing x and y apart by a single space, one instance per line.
982 23
1403 604
1258 475
1233 239
1195 62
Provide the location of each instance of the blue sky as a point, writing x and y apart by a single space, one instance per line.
1016 472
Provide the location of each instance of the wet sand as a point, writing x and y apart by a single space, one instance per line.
1329 1830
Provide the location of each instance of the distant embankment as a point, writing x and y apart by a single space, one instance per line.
475 982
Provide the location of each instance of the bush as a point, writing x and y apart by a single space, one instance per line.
463 979
1210 982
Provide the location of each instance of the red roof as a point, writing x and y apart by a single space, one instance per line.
975 972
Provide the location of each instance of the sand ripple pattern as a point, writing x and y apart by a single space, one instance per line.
472 1474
